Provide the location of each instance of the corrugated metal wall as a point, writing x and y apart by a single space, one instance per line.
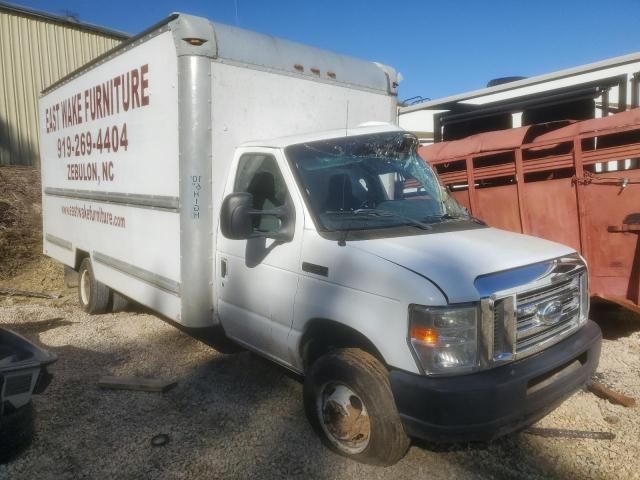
34 53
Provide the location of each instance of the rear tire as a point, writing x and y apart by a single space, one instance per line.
348 401
120 303
94 297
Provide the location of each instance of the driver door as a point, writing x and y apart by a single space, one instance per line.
257 278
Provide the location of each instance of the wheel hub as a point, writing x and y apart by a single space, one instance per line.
85 287
344 418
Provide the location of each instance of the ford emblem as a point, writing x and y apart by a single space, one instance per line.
550 313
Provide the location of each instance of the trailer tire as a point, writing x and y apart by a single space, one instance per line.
348 401
94 297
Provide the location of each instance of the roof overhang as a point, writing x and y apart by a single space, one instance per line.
67 21
446 103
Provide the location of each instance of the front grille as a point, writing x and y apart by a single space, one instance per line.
498 332
547 313
531 319
528 309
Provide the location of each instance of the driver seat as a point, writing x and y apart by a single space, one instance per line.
340 194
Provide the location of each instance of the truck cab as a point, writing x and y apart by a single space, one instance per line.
341 257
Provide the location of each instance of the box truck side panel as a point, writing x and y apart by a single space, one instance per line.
109 142
252 104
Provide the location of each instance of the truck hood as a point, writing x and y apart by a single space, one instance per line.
453 260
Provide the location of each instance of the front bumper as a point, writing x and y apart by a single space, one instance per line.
486 405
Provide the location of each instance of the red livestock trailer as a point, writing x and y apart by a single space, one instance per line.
572 182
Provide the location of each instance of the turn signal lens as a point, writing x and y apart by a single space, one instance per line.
427 336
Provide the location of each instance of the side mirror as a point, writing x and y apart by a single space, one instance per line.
237 214
235 220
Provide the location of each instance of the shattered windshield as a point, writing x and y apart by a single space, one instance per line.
371 181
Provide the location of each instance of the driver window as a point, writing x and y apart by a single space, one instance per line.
259 175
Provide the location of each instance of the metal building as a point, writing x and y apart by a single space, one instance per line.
581 93
36 49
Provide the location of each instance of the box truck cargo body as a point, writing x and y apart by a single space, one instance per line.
137 147
229 179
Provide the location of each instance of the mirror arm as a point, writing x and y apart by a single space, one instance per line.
279 212
282 212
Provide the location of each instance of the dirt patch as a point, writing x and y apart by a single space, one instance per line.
40 274
20 219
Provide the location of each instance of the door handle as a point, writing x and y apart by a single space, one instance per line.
223 267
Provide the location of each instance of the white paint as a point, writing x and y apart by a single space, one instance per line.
151 238
420 122
516 119
454 260
148 166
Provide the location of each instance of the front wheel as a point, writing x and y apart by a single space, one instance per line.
95 297
348 401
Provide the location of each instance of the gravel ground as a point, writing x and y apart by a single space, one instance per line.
238 416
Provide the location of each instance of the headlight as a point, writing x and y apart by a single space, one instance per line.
445 340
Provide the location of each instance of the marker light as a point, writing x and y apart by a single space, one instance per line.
196 42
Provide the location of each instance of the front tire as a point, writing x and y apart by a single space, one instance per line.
348 401
94 297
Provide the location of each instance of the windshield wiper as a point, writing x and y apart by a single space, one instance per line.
374 212
444 217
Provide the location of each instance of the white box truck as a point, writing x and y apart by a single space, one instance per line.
225 179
